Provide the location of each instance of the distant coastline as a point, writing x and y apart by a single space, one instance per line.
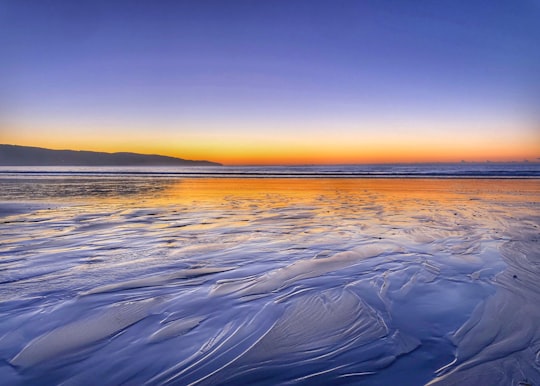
14 155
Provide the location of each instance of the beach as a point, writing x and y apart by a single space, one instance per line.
164 279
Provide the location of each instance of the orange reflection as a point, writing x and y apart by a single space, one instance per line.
286 191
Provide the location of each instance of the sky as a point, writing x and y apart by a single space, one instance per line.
275 82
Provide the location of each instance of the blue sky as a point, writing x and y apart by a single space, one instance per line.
183 77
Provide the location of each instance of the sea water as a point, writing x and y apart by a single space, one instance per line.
404 274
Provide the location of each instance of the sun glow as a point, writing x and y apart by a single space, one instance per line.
345 146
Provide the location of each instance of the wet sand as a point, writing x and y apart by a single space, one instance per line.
269 281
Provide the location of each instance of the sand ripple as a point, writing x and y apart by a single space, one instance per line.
271 282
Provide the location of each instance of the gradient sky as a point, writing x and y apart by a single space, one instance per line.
274 82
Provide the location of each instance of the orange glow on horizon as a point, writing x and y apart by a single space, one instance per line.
273 156
295 149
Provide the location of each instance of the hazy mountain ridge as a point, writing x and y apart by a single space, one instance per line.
14 155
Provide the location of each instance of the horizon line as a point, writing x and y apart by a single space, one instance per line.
278 164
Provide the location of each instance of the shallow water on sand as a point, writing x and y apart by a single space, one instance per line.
132 280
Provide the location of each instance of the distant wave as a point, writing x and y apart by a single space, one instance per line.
461 170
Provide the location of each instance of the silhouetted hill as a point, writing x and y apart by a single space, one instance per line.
12 155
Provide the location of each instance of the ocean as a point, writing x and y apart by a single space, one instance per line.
367 274
418 170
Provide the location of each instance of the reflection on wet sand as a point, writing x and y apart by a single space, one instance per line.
230 281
